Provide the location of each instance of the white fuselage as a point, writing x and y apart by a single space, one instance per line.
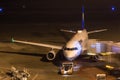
76 45
72 50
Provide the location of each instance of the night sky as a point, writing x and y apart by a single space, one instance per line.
58 10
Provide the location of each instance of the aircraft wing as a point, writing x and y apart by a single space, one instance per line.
37 44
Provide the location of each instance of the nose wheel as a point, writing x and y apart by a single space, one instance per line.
95 58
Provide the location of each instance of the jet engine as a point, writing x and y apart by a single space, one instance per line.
51 55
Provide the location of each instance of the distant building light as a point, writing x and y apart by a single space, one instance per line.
1 10
113 8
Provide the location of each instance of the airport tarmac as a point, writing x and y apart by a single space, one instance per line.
27 56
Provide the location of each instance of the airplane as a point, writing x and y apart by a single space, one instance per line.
79 45
76 46
72 49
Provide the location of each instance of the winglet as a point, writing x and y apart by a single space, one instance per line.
12 40
83 17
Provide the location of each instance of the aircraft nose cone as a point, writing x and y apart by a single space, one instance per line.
70 55
70 58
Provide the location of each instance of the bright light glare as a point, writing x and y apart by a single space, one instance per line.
113 8
1 9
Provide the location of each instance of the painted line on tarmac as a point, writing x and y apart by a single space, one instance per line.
35 77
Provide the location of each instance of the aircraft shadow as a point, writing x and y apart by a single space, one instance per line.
24 53
56 61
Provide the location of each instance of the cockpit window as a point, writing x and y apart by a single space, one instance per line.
75 48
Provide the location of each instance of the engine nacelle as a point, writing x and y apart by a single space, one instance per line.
51 55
